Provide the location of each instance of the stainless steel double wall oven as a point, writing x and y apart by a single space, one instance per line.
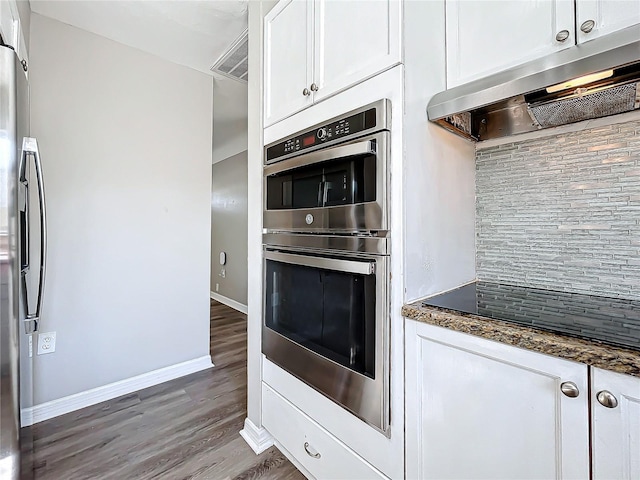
326 259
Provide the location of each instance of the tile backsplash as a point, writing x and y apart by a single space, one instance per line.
563 212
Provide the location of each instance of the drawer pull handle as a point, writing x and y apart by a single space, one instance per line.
313 455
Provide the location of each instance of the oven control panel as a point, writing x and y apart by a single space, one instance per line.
311 139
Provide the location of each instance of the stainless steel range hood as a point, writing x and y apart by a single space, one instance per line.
555 90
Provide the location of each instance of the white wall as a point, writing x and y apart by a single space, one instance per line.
229 228
126 146
230 107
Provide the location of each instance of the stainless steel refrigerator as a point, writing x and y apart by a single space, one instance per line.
22 258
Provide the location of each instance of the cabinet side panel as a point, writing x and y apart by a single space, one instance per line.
439 172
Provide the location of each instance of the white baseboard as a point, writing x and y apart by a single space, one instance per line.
60 406
229 302
257 438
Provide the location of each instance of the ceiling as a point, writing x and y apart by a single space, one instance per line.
193 33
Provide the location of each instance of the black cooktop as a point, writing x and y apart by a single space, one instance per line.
609 320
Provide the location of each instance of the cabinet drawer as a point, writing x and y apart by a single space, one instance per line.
324 456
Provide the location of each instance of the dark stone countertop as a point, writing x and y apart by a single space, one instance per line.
453 311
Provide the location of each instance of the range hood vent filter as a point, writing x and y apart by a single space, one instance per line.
610 101
594 79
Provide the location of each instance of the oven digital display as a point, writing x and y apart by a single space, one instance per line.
329 132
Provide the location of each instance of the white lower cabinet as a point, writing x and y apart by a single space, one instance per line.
478 409
314 448
615 420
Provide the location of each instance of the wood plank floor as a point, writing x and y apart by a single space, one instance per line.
183 429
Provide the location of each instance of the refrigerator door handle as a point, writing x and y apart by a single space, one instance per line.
30 147
25 234
25 231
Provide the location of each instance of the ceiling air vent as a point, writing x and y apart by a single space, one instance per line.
234 62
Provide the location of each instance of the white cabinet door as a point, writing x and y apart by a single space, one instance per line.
616 431
478 409
595 18
288 62
354 41
484 37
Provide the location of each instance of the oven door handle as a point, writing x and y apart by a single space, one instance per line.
348 266
366 147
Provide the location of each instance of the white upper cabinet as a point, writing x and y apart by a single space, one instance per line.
9 23
478 409
288 60
615 414
11 28
316 48
353 41
484 37
595 18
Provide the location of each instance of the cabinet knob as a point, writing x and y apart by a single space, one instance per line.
306 449
306 92
587 26
314 87
570 389
25 67
607 399
562 35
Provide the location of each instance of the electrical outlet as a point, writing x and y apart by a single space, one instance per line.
223 273
217 287
46 343
30 346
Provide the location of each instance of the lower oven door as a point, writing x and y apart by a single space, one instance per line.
326 322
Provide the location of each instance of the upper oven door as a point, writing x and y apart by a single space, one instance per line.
339 189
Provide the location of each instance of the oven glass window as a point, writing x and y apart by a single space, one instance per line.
337 182
331 313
